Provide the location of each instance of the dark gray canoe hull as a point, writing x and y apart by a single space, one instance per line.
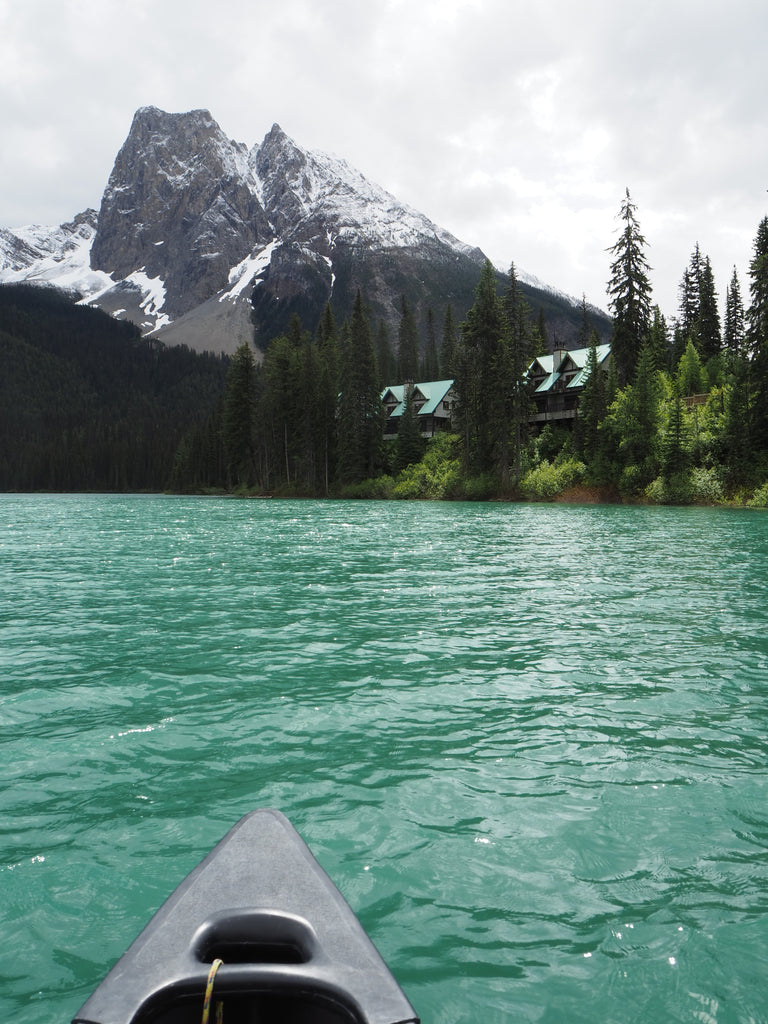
293 951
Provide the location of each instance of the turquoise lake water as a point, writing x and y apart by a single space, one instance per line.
528 743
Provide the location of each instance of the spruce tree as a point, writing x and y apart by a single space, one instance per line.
688 309
757 337
238 417
478 385
679 341
295 333
737 425
407 344
708 325
515 356
629 293
410 443
280 411
592 410
448 345
385 357
675 442
328 348
310 447
733 326
699 318
431 365
361 414
659 339
634 422
690 378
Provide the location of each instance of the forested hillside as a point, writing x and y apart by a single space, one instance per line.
86 403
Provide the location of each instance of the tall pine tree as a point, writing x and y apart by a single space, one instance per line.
634 421
478 387
699 319
407 344
629 293
280 409
239 416
688 310
385 357
328 347
515 356
659 339
674 448
410 444
708 326
361 414
757 337
431 364
593 407
733 327
448 343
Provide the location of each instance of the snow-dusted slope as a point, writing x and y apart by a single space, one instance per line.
325 188
59 256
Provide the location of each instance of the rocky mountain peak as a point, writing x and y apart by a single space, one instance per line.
198 239
275 137
88 219
180 206
280 166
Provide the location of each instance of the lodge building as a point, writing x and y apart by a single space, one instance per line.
557 382
433 401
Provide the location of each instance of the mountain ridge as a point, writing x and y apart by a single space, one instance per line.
200 240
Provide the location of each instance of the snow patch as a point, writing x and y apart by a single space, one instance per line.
244 273
154 287
59 256
154 292
329 263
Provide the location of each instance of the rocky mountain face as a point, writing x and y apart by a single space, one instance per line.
180 205
201 241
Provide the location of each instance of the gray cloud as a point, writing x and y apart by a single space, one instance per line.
515 126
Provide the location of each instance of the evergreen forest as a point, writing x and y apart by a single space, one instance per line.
680 415
87 404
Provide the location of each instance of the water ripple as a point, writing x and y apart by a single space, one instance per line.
529 743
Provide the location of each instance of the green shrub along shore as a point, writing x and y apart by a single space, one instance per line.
438 477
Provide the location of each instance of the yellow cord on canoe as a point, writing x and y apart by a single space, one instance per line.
209 992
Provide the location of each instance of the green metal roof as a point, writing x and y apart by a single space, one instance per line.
431 392
579 357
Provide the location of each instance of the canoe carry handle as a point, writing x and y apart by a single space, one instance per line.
255 937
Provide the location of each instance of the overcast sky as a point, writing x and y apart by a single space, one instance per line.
517 126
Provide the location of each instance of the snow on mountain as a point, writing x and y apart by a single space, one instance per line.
535 282
188 214
199 239
247 272
328 187
58 256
